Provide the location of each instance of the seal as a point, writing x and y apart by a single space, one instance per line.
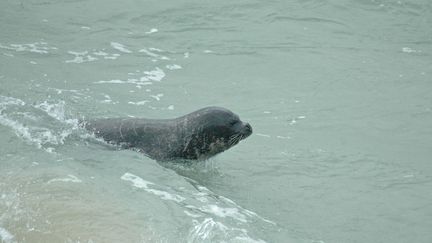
195 136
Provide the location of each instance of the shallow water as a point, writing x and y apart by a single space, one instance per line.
338 94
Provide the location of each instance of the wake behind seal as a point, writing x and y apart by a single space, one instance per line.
196 136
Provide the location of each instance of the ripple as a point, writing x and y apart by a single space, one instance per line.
143 184
153 75
36 47
120 47
81 57
151 52
69 178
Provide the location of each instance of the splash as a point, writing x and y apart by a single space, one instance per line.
44 125
6 236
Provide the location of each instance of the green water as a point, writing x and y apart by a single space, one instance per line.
338 94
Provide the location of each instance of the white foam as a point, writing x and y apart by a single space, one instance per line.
149 53
37 47
210 230
224 212
143 184
231 209
50 150
5 100
166 195
107 100
283 137
173 67
247 239
409 50
113 81
151 31
54 110
100 53
155 75
69 178
263 135
112 57
86 56
136 180
6 236
139 102
81 57
203 231
20 130
154 55
157 97
120 47
57 111
155 49
36 135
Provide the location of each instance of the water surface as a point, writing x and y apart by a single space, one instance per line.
338 94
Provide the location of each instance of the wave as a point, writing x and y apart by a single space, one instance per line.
213 217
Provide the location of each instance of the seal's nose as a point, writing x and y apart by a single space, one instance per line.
247 129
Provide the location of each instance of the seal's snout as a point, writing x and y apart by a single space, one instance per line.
247 130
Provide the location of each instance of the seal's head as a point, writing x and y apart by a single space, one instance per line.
213 130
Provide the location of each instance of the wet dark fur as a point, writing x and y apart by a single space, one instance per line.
195 136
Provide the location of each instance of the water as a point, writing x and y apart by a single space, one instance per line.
338 94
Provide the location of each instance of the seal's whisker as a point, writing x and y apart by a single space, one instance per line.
233 136
235 139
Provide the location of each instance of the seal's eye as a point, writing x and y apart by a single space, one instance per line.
233 122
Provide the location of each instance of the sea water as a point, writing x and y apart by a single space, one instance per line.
338 93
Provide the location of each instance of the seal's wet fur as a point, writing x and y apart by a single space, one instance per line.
195 136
